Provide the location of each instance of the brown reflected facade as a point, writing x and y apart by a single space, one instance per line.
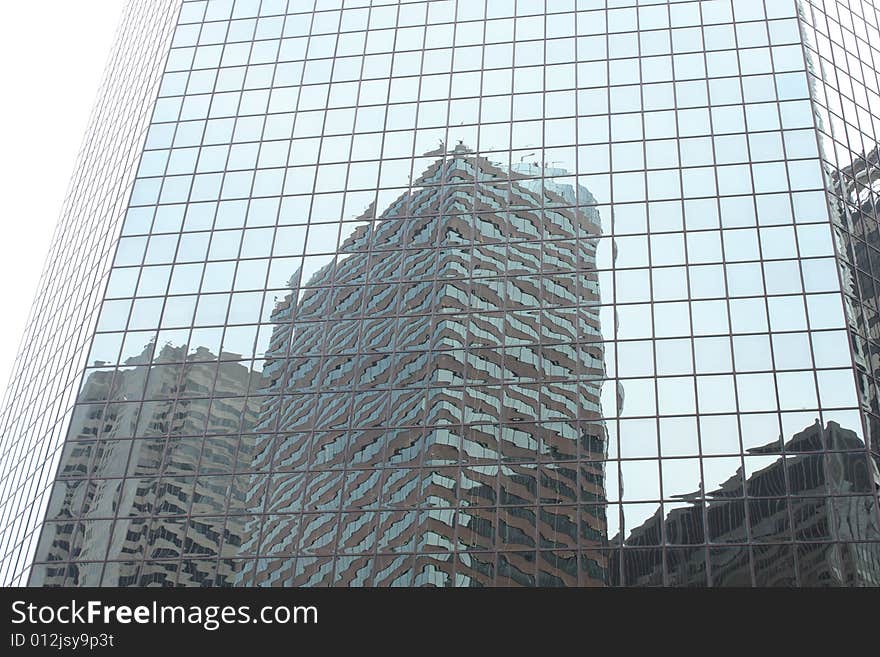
466 293
434 412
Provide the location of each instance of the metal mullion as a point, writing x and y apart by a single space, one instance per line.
209 401
370 256
334 556
253 356
268 476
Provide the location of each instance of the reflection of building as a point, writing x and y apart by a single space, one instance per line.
171 501
852 194
815 493
854 205
437 387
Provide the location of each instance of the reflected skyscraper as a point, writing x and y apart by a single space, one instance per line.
854 211
164 508
439 384
457 293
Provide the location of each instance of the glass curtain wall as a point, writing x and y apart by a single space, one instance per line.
462 293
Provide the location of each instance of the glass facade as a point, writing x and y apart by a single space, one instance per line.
35 412
457 293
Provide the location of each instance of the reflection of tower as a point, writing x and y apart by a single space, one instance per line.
817 493
435 393
150 466
854 210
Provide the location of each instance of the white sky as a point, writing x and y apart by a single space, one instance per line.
52 56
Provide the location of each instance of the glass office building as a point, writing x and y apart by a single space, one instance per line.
461 293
